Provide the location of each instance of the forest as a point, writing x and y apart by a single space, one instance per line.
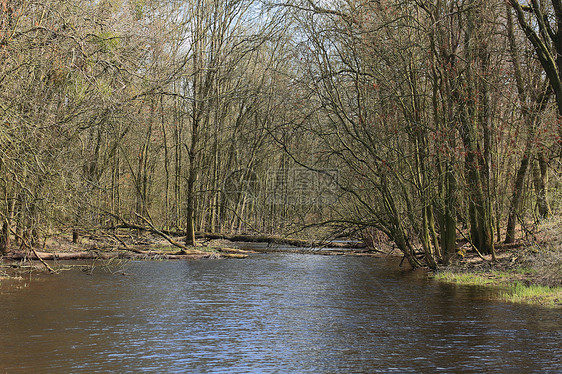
422 123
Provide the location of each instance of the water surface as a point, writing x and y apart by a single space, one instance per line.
270 313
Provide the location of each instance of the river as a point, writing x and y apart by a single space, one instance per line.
269 313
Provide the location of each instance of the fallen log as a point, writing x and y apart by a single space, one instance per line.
94 255
50 256
280 240
271 239
228 250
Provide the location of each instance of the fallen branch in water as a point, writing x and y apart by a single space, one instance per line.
158 232
95 255
27 245
127 225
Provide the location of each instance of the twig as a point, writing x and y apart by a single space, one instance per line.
156 231
26 243
120 241
472 245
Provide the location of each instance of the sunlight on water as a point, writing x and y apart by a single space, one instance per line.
269 313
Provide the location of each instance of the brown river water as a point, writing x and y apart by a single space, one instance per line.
269 313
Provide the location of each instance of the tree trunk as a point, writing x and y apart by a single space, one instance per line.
166 165
531 115
426 238
75 237
475 115
190 217
5 237
540 178
449 224
516 199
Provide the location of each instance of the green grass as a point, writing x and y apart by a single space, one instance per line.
469 279
509 282
523 270
533 294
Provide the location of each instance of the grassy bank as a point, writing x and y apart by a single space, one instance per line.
515 286
525 272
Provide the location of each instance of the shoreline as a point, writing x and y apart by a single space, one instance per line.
515 277
126 244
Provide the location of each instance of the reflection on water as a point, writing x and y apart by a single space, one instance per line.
269 313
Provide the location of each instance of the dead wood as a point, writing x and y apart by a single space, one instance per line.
271 239
280 240
26 244
158 232
95 255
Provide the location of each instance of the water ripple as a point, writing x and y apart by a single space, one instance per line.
270 313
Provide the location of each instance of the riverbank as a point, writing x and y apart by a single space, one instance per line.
107 246
529 273
523 273
127 243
